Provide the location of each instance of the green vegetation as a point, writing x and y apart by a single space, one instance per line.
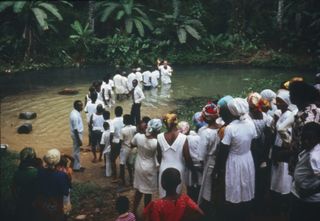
275 33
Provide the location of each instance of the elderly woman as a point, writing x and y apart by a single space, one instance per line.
145 179
173 150
209 141
240 173
52 186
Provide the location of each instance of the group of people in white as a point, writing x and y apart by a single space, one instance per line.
240 150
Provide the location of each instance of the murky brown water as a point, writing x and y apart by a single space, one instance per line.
37 92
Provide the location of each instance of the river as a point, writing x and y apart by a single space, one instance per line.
38 91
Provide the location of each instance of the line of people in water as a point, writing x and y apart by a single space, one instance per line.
241 151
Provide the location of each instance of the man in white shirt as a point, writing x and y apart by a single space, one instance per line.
137 97
165 72
155 75
76 129
146 77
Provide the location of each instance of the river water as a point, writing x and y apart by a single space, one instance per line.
38 92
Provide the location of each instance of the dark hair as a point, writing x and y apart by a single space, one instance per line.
127 119
91 89
63 161
106 125
106 78
311 129
303 93
118 111
93 96
76 103
100 108
106 115
37 163
122 204
145 119
170 179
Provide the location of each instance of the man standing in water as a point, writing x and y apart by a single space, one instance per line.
76 129
137 97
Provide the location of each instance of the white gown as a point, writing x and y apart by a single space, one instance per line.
145 175
172 156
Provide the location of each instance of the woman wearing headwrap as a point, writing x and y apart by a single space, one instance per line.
269 96
208 146
281 181
240 173
193 186
52 186
260 146
145 177
23 186
173 151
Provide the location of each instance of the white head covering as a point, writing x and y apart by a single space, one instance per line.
238 107
268 94
284 95
52 157
183 127
154 125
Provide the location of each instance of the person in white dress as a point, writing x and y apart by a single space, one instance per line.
146 80
194 140
126 135
155 75
106 143
106 91
146 165
240 172
173 151
280 179
165 72
208 153
120 84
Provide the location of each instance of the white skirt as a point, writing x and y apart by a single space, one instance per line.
280 179
240 177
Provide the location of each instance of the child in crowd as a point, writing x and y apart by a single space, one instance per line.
105 142
122 206
126 135
63 166
173 207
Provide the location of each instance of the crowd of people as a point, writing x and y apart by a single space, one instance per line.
242 151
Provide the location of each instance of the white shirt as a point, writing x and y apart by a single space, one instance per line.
111 127
105 90
91 108
208 141
132 76
105 138
194 141
146 77
124 82
155 75
165 74
118 125
75 121
307 173
118 84
126 135
97 122
139 76
138 95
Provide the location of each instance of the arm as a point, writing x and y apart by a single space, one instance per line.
141 97
159 153
103 97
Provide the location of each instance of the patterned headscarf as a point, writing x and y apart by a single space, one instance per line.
210 111
52 157
183 127
27 153
256 101
154 125
170 119
238 107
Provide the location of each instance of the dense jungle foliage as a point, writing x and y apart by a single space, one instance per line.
277 33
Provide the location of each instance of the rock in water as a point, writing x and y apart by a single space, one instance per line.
28 115
25 128
69 91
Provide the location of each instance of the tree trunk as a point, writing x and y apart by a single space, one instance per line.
91 11
237 21
280 14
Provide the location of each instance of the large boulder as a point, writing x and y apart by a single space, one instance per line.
68 91
28 115
24 128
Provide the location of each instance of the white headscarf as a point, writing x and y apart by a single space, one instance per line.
154 125
284 95
52 157
183 127
269 95
238 107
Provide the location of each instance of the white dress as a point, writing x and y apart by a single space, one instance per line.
240 172
281 181
172 156
145 173
209 142
165 74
